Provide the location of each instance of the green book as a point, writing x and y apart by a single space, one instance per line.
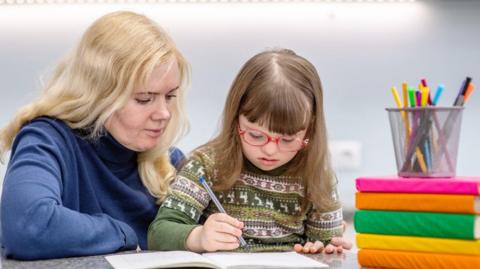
426 224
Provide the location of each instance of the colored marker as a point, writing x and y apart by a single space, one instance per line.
396 97
469 91
438 93
424 93
405 94
411 96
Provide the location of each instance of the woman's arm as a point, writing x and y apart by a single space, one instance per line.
35 222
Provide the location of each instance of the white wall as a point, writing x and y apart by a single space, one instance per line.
359 49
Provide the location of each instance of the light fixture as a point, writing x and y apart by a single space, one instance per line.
33 2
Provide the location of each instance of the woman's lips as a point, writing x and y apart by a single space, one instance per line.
155 132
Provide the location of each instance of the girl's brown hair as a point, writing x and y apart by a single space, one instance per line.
282 91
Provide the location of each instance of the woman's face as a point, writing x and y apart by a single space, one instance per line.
142 121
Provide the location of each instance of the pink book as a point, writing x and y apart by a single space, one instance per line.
452 185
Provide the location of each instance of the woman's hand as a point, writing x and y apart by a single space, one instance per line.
219 232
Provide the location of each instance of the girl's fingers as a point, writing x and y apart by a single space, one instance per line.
339 241
329 249
298 248
339 249
222 217
228 246
226 228
307 246
317 247
226 238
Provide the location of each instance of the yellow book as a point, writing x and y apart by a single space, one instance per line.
422 202
418 244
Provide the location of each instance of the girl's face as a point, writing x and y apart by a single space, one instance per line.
142 121
277 149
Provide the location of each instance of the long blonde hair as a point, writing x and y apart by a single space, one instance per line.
282 91
116 54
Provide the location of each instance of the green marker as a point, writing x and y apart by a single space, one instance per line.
412 97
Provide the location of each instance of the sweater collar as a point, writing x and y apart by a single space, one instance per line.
108 148
250 167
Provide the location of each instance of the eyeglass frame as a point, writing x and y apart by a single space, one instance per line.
270 139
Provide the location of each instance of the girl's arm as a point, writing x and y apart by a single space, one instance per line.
176 226
35 223
324 230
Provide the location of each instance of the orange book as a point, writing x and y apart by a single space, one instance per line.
416 260
421 202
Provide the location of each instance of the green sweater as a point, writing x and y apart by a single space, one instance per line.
268 204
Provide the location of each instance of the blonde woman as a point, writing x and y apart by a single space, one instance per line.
92 158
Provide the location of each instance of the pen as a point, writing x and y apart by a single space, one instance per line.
243 243
459 100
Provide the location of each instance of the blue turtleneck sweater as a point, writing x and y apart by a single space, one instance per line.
65 195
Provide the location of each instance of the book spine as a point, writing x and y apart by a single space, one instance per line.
408 259
415 243
418 186
447 203
442 225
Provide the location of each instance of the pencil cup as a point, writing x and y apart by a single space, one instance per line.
425 140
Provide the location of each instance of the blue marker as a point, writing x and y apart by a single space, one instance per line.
438 93
243 243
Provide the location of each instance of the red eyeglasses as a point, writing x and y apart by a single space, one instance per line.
258 138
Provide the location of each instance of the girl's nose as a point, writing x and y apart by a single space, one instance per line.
270 148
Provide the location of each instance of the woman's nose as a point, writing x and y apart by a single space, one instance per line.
161 112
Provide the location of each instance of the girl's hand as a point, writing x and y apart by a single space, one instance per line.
336 245
219 232
309 247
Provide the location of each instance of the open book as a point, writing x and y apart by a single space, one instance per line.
218 260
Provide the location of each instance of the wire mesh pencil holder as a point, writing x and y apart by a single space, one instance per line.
426 140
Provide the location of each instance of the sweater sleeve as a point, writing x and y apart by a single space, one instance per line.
323 225
35 223
181 210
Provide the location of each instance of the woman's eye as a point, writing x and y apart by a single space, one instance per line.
143 101
169 97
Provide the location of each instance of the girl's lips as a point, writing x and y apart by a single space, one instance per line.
268 162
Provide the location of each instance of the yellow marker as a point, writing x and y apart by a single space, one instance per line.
421 160
396 97
398 101
405 94
424 99
405 117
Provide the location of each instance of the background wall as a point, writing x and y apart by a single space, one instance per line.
359 49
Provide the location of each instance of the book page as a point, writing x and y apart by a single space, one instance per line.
159 259
230 260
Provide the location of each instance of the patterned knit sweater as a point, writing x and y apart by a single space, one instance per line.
268 204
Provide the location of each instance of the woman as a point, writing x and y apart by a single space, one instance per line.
90 158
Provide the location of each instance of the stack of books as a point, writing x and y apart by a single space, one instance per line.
418 222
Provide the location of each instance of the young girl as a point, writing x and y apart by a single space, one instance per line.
269 168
